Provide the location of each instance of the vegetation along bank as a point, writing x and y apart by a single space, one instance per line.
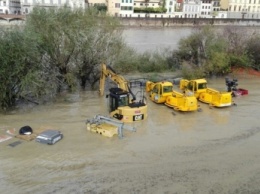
62 49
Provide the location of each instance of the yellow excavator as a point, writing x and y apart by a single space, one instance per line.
121 106
199 88
162 92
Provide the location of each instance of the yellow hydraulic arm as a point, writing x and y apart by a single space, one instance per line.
109 72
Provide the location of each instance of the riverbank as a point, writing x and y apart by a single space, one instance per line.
171 22
246 72
157 22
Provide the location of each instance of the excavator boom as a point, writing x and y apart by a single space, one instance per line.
107 71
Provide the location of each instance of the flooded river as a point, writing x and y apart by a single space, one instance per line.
213 151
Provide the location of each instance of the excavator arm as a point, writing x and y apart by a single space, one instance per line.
107 71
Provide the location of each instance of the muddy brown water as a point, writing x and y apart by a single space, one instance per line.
213 151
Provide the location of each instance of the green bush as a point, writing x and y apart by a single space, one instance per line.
152 62
150 10
192 72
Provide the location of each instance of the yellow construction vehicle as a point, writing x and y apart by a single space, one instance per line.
120 105
204 94
162 92
107 126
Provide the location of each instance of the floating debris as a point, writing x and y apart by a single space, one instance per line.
15 143
4 138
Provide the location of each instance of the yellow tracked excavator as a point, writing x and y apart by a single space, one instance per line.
162 92
199 88
121 106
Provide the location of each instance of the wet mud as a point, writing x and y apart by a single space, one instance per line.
212 151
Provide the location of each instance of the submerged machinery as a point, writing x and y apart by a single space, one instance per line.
162 92
121 106
232 87
107 126
203 93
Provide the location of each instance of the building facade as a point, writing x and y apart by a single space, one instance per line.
10 7
244 9
28 5
148 8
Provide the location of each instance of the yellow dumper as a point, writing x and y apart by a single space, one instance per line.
162 92
204 94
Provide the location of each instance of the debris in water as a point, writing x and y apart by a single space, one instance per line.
15 143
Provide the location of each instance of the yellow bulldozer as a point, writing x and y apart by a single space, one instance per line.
162 92
199 88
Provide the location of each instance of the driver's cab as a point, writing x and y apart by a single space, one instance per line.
117 98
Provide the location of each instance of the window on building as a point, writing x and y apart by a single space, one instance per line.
170 2
235 8
123 1
126 1
126 8
117 5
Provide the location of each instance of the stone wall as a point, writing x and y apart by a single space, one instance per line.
171 22
165 22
